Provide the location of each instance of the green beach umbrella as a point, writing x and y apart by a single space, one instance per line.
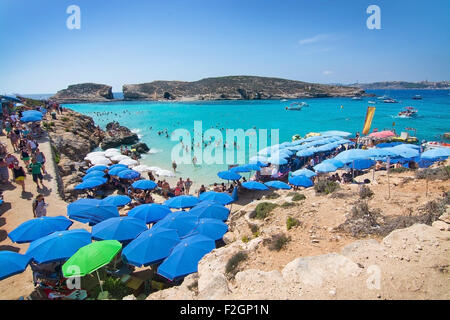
91 258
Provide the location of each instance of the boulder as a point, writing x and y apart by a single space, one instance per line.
140 147
117 135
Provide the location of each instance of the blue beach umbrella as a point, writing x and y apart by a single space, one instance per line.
305 153
379 154
278 185
151 246
39 227
31 118
404 152
31 113
361 164
128 174
118 165
301 181
219 197
144 185
120 229
116 170
12 263
253 185
9 98
117 200
334 162
181 202
228 175
91 210
91 183
253 167
352 154
58 245
210 209
99 167
436 153
304 172
181 221
94 174
185 256
277 160
325 167
150 212
240 169
211 228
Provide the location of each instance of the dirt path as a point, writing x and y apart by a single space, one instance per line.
17 209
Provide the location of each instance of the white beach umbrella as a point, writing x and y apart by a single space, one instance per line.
111 153
120 157
129 162
154 168
100 160
142 168
165 173
95 154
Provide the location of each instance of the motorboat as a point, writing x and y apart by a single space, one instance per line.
357 98
408 112
372 102
297 106
417 97
390 100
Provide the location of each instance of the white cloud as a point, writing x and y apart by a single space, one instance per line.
327 72
316 38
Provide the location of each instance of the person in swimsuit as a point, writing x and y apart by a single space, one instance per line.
40 157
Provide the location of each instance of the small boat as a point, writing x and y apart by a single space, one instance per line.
408 112
297 106
390 100
357 98
372 102
383 97
284 100
417 97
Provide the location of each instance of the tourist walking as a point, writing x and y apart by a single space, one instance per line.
39 206
174 166
19 175
36 168
40 157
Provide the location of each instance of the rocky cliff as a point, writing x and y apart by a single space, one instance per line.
84 92
235 88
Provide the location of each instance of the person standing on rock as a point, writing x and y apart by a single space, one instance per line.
39 206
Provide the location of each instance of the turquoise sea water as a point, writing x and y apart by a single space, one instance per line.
147 118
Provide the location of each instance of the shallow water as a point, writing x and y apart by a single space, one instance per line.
147 118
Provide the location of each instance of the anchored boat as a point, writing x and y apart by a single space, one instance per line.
297 106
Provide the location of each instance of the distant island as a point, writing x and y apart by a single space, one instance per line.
221 88
392 85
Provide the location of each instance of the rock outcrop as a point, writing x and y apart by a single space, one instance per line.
117 135
72 136
234 88
406 264
84 92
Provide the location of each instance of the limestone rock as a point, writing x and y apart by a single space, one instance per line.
84 92
117 135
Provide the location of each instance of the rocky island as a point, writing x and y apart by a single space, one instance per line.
235 88
84 92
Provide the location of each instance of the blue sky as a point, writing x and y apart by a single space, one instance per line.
136 41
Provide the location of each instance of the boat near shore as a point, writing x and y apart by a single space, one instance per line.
297 106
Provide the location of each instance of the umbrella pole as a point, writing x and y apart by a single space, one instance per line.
99 281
